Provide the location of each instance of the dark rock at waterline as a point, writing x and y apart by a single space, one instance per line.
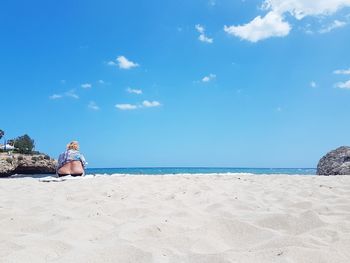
336 162
26 164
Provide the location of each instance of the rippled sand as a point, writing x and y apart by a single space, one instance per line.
183 218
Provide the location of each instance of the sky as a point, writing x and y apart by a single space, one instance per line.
217 83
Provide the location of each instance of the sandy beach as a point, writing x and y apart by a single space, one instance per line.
182 218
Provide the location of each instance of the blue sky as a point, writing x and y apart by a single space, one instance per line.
178 83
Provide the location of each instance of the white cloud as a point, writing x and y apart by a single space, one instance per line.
86 85
123 63
343 85
149 104
112 63
313 84
71 94
271 25
145 104
274 23
102 82
342 71
336 24
55 96
92 105
302 8
134 91
208 78
202 37
200 28
126 106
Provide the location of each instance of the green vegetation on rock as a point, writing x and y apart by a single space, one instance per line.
24 144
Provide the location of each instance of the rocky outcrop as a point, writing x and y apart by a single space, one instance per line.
26 164
336 162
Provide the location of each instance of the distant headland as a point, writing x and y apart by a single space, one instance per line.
18 156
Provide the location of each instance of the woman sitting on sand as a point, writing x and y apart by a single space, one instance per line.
71 162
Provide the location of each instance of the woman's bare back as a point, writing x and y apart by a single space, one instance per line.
73 167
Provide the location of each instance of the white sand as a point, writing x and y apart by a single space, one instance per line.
204 219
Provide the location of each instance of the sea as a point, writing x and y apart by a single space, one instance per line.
184 170
199 170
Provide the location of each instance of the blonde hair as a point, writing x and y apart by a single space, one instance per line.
74 145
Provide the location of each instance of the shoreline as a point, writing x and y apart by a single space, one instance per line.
91 176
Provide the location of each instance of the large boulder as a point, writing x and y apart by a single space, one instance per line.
336 162
26 164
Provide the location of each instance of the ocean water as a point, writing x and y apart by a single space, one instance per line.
198 170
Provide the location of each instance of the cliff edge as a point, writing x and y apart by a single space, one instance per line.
26 164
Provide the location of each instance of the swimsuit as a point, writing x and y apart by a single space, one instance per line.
74 175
